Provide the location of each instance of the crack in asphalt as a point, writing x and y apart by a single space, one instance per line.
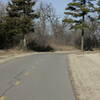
19 74
12 83
6 90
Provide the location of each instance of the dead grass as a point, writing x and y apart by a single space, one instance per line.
62 47
6 55
85 75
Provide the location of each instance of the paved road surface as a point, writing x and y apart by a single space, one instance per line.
36 77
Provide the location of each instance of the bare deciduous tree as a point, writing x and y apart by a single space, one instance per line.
2 10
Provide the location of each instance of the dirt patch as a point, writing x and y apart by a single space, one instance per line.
85 75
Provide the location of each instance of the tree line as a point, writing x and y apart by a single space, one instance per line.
24 26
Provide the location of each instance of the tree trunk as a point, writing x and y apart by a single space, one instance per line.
82 43
24 43
83 19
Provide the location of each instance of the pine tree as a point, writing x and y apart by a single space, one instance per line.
97 9
20 18
77 10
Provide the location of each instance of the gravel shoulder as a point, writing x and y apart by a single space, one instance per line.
85 75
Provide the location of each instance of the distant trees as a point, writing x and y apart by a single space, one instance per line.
77 10
42 25
49 26
18 27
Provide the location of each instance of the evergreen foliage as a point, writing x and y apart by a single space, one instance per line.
76 11
20 19
97 9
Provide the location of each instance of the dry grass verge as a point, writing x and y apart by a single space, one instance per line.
6 55
85 75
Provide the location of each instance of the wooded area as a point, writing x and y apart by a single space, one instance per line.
24 26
